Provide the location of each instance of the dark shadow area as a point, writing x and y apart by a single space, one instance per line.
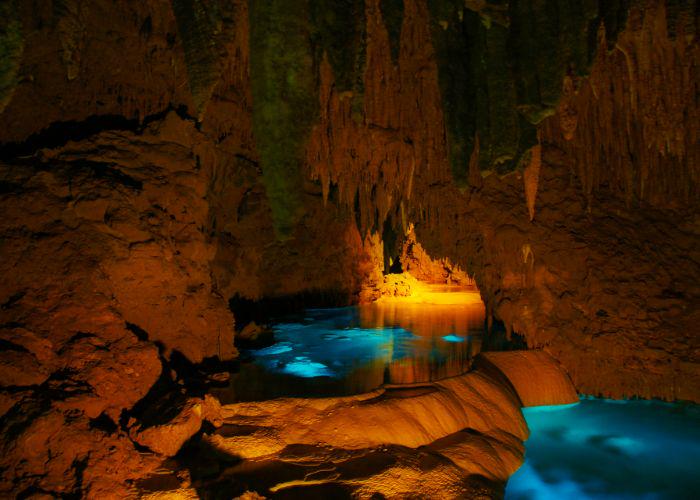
302 471
392 248
497 339
59 133
220 476
180 379
267 309
256 383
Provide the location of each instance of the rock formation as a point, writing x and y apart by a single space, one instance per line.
472 421
158 159
534 376
463 435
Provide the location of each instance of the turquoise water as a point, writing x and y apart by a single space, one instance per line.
610 449
350 350
338 342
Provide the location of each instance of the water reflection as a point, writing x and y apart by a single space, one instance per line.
610 449
428 336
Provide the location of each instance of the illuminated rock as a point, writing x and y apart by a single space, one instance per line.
166 438
537 378
403 416
416 261
460 437
46 445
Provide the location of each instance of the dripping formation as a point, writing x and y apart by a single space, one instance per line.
172 171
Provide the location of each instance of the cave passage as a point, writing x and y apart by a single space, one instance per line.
241 241
431 334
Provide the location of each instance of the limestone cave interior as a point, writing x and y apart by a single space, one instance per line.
349 249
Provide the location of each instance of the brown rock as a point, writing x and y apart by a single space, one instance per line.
47 448
536 377
416 261
254 336
167 438
132 235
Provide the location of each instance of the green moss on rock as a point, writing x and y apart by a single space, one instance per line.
338 29
453 44
497 124
285 103
548 39
11 48
287 46
477 87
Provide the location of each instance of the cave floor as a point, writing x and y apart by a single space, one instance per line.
594 449
390 399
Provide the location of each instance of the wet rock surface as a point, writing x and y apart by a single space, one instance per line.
536 377
456 437
171 423
596 291
588 250
254 336
135 205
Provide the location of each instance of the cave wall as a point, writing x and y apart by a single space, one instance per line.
133 208
586 247
105 265
140 191
629 126
604 276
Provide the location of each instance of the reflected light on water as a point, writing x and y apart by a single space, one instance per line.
432 334
453 338
432 310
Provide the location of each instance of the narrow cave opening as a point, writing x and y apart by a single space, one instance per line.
417 321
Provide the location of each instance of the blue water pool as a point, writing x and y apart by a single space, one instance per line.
356 349
339 342
610 449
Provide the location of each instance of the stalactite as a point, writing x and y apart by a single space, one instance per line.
636 114
372 152
531 177
457 65
231 94
474 171
204 28
566 110
500 70
338 32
